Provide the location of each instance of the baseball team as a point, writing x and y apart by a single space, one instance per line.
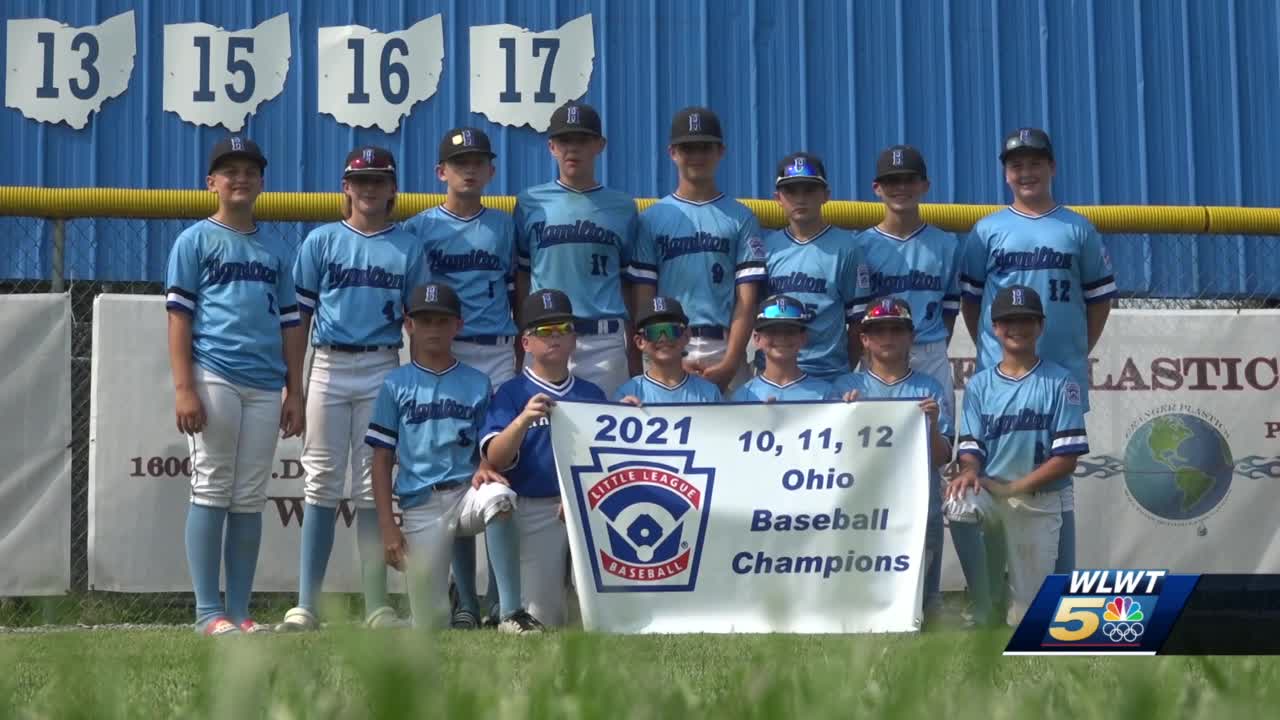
577 296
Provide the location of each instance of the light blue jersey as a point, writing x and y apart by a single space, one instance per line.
699 253
923 269
475 256
432 420
828 274
1013 426
239 293
578 242
534 471
357 285
692 389
1059 255
806 387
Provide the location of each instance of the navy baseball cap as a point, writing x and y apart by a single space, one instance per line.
464 141
661 308
900 160
1016 301
545 306
801 167
370 160
1029 139
696 125
888 310
236 146
781 310
575 117
434 298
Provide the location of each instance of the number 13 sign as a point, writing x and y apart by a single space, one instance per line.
520 77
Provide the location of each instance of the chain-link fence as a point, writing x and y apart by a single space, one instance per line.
91 256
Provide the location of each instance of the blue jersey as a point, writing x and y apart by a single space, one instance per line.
826 273
239 293
923 269
1059 255
1013 426
806 387
700 252
692 389
534 471
357 285
475 256
432 421
578 242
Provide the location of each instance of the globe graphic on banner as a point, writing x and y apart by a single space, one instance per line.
1177 467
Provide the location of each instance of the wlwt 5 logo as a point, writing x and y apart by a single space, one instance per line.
644 514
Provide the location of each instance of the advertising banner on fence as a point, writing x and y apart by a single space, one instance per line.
802 518
139 472
35 486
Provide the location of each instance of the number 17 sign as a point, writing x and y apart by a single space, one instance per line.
519 77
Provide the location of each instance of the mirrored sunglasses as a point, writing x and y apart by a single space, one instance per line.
378 162
782 311
654 332
552 330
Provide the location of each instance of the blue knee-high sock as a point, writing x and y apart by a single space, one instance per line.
933 571
502 537
1066 544
317 545
464 573
490 603
204 559
971 549
373 563
244 536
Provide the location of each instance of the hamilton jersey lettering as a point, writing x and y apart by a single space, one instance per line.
439 261
372 276
1041 258
1025 419
220 273
797 282
882 284
921 269
673 247
583 231
416 414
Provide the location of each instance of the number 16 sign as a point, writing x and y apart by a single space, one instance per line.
370 78
519 77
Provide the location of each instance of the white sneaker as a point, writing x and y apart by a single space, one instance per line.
298 619
385 618
520 623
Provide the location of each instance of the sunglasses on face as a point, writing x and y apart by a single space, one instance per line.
654 332
552 330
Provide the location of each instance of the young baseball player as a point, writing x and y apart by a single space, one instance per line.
353 279
912 260
781 331
517 441
819 265
886 332
428 419
575 234
1037 243
706 251
473 249
662 334
1021 433
234 342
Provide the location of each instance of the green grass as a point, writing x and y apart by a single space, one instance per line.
348 673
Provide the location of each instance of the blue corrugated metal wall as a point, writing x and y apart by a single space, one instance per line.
1149 101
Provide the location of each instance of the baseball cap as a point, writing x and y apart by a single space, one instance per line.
1027 139
1016 301
888 310
464 141
900 160
781 310
801 167
661 308
545 306
435 298
370 160
695 125
236 146
575 117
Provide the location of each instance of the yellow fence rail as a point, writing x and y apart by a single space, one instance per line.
323 207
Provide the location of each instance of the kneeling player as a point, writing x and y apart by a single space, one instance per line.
887 335
517 439
428 417
780 332
1021 433
662 334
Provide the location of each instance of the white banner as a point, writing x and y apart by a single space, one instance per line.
804 518
35 487
139 471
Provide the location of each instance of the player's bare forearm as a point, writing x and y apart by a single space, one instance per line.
939 447
522 292
383 460
181 361
501 451
1096 315
949 322
639 295
747 295
1055 468
854 344
972 313
295 351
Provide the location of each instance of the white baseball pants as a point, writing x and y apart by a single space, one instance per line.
498 361
231 458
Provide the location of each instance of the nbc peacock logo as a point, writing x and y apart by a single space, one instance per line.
1122 620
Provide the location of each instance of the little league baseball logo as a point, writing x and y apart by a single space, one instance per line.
644 517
